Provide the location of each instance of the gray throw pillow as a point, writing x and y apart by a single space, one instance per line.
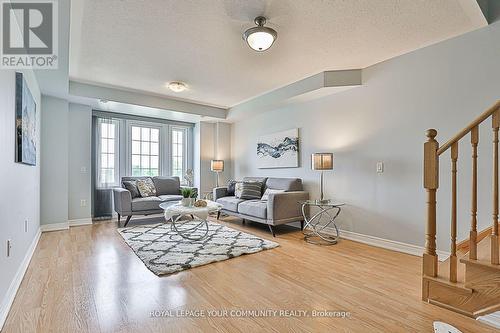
231 186
131 186
251 190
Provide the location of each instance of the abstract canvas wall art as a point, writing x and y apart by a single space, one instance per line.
25 123
278 150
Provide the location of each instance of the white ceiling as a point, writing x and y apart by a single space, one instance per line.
143 44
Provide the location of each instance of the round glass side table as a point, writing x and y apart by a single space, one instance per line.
319 230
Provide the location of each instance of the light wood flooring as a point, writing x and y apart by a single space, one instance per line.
88 280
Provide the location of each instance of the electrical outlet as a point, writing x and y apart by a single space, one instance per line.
83 203
380 167
9 247
83 169
25 225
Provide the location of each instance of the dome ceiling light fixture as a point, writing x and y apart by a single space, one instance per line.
177 86
260 38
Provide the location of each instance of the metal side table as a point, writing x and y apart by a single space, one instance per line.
315 231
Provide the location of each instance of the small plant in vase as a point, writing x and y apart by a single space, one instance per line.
188 197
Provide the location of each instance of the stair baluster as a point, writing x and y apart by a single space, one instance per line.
494 236
453 256
474 138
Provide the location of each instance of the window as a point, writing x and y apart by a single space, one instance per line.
108 152
145 151
178 153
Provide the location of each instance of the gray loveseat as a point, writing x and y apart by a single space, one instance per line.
168 189
280 208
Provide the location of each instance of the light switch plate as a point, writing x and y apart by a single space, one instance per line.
380 167
9 247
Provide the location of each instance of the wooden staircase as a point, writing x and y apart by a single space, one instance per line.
468 282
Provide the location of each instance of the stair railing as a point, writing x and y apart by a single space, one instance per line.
432 152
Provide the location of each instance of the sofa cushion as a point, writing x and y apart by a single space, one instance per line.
257 179
167 185
231 187
131 186
238 188
268 192
148 203
251 190
287 184
170 197
230 203
146 187
255 208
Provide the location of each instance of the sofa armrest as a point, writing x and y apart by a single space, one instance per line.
219 192
123 201
285 205
195 189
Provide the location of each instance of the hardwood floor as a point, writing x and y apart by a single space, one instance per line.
88 280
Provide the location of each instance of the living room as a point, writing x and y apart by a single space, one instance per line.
234 166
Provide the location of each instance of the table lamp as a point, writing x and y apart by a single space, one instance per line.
322 161
217 166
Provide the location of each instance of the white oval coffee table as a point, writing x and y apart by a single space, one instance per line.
185 228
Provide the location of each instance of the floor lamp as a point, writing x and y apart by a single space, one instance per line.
217 166
322 161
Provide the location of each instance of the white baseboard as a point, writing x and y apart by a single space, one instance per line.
54 226
389 244
78 222
16 282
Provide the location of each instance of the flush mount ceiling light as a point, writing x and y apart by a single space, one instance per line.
177 86
260 38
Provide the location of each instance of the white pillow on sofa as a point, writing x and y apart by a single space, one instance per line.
269 191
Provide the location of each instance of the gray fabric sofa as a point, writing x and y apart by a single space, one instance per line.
280 208
168 189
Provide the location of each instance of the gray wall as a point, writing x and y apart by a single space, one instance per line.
54 161
20 194
444 86
79 161
211 141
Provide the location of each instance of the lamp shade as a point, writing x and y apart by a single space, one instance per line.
217 165
322 161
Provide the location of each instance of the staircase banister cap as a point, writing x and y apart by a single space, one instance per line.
431 133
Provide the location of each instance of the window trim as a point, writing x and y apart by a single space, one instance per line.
128 138
185 151
116 182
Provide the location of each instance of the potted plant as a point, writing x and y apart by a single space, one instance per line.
188 197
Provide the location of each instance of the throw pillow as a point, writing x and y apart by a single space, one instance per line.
251 190
146 187
269 191
238 187
231 186
131 186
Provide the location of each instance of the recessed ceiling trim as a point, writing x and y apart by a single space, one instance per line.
142 99
320 84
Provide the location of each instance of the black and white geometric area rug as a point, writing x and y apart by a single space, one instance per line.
163 251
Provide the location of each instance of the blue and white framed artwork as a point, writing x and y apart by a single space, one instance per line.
278 150
25 123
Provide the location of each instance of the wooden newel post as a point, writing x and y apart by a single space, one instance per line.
431 184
